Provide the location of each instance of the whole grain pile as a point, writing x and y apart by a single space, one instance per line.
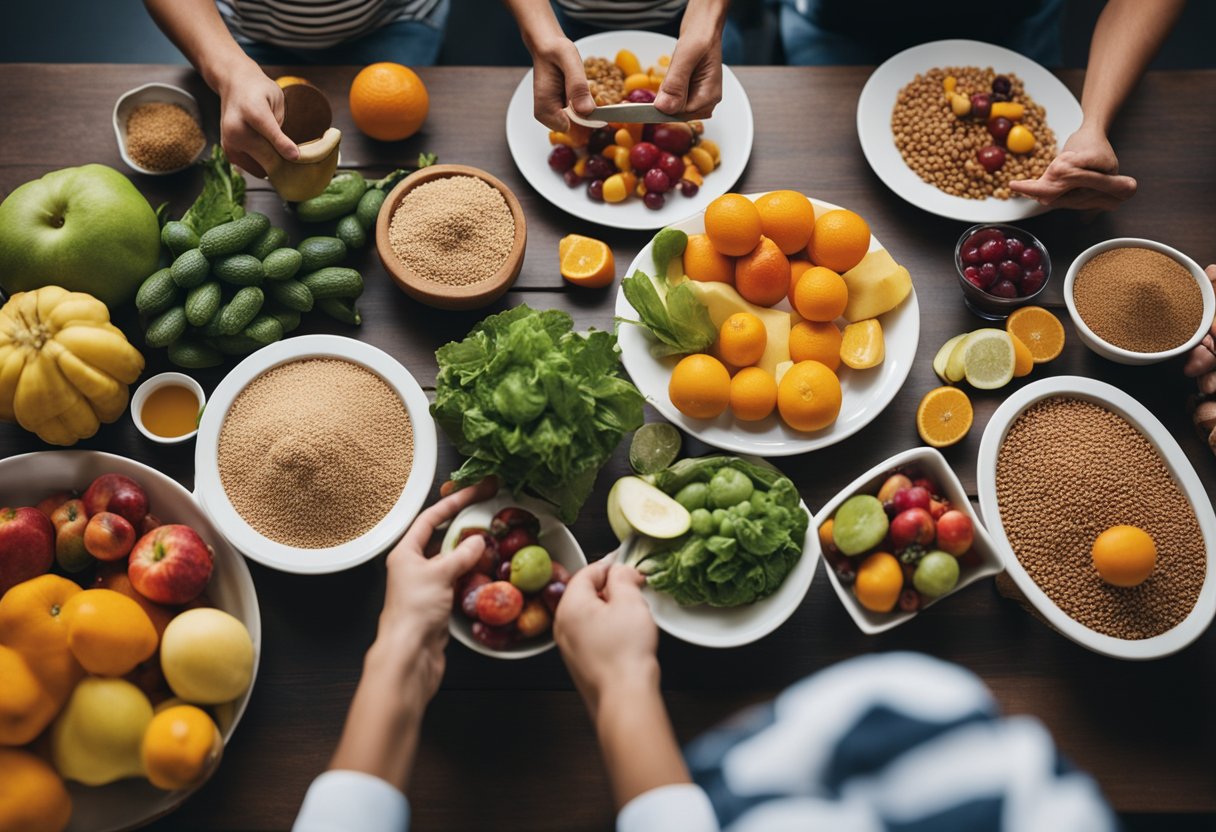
940 147
606 81
1067 471
456 230
316 452
163 137
1138 299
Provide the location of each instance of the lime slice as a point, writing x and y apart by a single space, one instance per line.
988 358
655 446
942 359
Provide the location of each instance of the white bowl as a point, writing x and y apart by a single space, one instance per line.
554 537
934 466
154 93
26 479
380 537
152 385
865 393
1184 475
1118 354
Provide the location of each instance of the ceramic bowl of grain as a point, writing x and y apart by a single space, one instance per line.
452 237
315 454
1137 301
157 127
1066 458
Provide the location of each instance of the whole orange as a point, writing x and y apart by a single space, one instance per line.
841 238
762 276
742 339
388 101
699 386
25 707
705 263
753 394
32 623
808 396
732 224
33 797
821 295
180 746
879 582
108 632
798 267
787 218
816 341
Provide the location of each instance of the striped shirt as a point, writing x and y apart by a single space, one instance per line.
623 14
317 24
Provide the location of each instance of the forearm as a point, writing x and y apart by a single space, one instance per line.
708 16
536 21
195 27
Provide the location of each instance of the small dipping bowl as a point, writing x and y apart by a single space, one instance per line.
986 305
151 386
153 94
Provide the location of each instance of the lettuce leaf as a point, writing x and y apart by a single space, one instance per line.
223 195
681 323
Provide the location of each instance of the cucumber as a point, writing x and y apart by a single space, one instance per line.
190 269
290 293
341 309
351 232
319 252
274 238
289 319
178 237
157 293
340 197
166 327
239 270
236 314
233 236
203 302
194 355
282 264
265 329
636 505
234 344
334 282
369 207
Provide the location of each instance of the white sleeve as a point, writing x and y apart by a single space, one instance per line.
352 801
682 806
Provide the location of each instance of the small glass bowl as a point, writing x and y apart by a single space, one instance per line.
988 306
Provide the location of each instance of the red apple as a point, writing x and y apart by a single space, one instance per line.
150 522
914 497
70 521
53 501
927 484
891 486
534 619
119 494
912 526
170 565
955 533
109 536
938 507
499 603
27 545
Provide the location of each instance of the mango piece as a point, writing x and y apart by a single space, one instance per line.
722 301
876 285
862 345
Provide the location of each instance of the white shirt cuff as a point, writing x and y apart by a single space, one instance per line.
682 806
352 801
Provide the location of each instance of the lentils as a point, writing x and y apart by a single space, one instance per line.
1067 471
1138 299
940 147
163 137
606 81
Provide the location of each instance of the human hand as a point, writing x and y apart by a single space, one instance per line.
251 112
558 76
693 84
1201 362
1085 175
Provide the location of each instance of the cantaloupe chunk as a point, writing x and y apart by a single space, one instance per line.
876 285
722 301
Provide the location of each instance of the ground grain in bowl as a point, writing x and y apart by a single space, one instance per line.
162 136
1067 471
315 453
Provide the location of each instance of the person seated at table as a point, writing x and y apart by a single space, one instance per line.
693 84
227 40
880 742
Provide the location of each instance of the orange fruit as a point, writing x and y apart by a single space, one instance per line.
826 541
180 746
586 261
1023 359
862 345
108 633
705 263
699 386
753 394
762 276
117 580
787 218
878 583
732 224
285 81
944 416
1124 555
33 797
388 101
841 238
808 397
816 341
821 295
33 624
798 268
1039 330
742 339
25 708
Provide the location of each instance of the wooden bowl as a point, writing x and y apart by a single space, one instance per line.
432 293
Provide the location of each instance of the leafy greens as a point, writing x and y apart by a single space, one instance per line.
681 323
223 195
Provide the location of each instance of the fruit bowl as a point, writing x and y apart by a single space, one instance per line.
28 477
934 466
985 303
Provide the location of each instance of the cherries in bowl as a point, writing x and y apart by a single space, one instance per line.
1000 267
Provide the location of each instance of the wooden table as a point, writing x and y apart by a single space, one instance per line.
506 745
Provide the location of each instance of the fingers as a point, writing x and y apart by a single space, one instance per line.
622 582
1039 189
578 93
441 512
267 125
673 93
1201 360
244 161
548 91
449 487
586 584
461 559
1211 272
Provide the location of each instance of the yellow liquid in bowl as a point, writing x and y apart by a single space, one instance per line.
170 411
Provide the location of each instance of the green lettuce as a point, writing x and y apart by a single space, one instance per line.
223 195
680 322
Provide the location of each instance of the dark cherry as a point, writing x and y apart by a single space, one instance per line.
1004 289
1014 247
999 128
1001 84
993 251
1031 258
1032 281
1009 270
595 190
562 158
654 200
689 188
988 275
971 255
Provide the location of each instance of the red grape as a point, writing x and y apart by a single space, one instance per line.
600 138
972 275
991 157
1001 84
971 255
1014 247
598 167
640 96
982 236
671 165
1031 258
552 594
496 638
1033 281
987 274
595 190
689 188
993 251
1004 289
981 105
562 158
654 200
674 138
657 181
999 128
1009 270
573 180
644 155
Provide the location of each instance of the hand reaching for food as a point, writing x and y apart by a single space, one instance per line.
1085 175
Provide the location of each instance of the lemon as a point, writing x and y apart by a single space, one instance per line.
988 359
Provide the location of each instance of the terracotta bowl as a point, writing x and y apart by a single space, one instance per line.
436 294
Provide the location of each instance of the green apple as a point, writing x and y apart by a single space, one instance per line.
86 229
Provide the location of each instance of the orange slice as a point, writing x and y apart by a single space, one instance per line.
944 416
1039 330
586 261
1023 360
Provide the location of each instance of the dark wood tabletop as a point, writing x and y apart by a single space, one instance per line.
506 745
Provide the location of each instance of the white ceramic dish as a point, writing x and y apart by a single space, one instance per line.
1115 400
878 100
152 385
731 127
153 93
934 466
27 478
864 392
333 558
554 537
1118 354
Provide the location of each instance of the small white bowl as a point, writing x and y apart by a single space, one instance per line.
1115 400
153 93
1118 354
256 546
934 466
554 537
155 383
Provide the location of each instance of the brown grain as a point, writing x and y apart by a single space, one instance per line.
163 137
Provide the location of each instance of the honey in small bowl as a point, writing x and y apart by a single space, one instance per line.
170 411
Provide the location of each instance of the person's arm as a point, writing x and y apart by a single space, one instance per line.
693 84
557 68
1086 172
251 105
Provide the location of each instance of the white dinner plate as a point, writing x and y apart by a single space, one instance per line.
731 127
865 393
878 100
